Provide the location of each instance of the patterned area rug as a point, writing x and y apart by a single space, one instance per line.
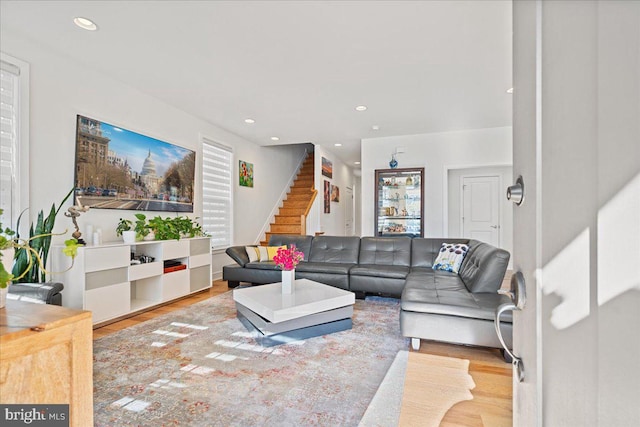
199 367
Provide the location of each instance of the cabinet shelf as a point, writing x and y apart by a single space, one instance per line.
398 217
399 206
139 304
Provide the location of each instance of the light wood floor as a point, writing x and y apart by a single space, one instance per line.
491 404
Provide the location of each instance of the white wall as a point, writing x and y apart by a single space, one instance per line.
60 89
333 224
435 152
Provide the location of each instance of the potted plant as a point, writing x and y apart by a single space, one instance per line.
124 229
142 229
28 265
11 244
187 227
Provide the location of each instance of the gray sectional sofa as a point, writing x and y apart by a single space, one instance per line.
435 305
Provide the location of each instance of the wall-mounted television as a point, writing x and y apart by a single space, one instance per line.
119 169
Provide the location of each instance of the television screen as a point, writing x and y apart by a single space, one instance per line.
120 169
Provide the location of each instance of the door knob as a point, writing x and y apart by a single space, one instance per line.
494 226
515 193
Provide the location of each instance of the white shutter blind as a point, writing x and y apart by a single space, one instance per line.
9 76
217 203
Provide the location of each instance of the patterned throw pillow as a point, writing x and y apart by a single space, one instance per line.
450 257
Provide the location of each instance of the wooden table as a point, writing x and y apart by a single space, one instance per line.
46 357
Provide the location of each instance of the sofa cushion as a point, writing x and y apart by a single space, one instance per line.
450 257
324 267
484 267
303 243
436 280
385 251
425 250
335 249
440 294
262 265
386 271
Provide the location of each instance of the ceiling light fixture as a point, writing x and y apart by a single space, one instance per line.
356 163
338 145
510 90
249 121
85 24
275 138
361 108
375 127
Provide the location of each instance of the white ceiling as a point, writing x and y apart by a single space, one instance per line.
298 68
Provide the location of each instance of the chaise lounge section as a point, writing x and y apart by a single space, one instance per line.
457 308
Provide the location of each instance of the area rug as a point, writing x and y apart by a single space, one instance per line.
384 409
200 367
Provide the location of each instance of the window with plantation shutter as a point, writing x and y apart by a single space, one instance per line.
10 150
217 195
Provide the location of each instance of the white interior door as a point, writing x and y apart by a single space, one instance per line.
481 208
348 212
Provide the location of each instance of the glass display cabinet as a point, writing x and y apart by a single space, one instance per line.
399 209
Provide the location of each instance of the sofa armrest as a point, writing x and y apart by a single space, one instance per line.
42 293
238 254
484 267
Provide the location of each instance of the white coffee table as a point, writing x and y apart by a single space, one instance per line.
312 309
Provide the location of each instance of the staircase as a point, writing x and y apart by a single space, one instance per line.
291 218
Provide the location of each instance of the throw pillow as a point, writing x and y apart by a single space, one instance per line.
273 251
262 253
450 257
252 253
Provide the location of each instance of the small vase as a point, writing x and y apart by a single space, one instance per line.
3 296
393 163
128 237
288 280
150 236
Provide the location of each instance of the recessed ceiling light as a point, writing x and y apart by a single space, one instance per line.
85 24
510 90
375 127
356 163
275 138
338 145
361 108
249 121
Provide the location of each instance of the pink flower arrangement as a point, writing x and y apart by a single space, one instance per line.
287 259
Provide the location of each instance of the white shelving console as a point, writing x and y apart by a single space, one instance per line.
104 281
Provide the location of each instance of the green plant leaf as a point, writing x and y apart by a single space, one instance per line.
5 277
